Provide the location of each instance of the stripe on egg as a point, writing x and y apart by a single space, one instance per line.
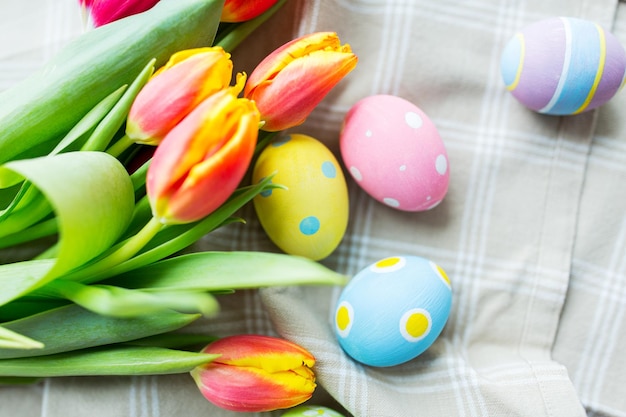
599 71
564 69
526 52
576 84
614 72
515 51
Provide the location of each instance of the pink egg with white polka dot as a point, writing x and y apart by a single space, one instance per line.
394 152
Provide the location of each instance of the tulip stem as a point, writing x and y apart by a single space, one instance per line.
120 253
120 146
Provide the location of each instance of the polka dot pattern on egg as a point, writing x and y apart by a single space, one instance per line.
309 225
415 324
393 310
309 216
394 152
329 169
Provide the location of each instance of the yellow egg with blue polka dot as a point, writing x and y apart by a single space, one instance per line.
309 216
393 310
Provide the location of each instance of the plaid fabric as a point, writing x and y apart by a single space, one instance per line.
532 232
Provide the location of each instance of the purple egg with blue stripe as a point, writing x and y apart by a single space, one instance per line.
563 66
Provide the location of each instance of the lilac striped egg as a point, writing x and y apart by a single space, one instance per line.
563 66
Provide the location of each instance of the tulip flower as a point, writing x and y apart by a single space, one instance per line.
241 10
201 161
175 89
107 11
256 373
290 82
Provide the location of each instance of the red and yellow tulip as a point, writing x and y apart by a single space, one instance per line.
256 373
175 90
290 82
202 160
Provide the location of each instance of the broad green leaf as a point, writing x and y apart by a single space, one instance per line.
115 360
19 278
92 196
71 327
115 301
217 271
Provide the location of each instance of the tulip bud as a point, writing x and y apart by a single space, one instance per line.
202 160
290 82
107 11
175 89
256 373
242 10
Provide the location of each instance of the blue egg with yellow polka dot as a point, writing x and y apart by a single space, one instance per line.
309 216
393 310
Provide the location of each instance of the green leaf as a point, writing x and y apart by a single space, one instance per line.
19 278
92 212
217 271
115 301
117 360
39 230
176 340
71 328
89 122
28 208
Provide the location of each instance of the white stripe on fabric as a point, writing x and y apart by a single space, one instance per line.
385 64
45 397
600 342
480 197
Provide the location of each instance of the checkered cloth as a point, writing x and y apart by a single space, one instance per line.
532 232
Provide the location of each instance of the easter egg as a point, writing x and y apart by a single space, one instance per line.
563 66
310 216
394 152
393 310
311 411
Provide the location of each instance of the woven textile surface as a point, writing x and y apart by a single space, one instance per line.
532 232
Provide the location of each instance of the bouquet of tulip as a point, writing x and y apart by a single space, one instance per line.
128 147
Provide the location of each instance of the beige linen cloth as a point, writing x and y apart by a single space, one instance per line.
532 232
